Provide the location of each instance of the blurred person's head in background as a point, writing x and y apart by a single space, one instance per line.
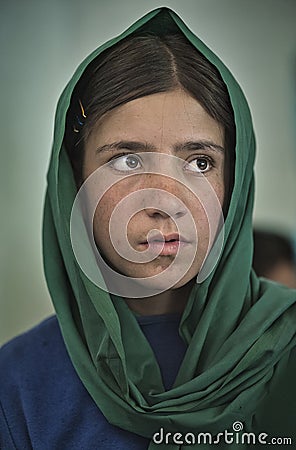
274 257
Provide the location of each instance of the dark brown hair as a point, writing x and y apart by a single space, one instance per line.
142 65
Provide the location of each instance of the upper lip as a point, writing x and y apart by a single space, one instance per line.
158 237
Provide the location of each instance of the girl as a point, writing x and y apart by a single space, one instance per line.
164 336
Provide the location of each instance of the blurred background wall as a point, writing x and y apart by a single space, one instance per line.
41 44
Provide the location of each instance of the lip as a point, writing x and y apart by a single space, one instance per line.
165 245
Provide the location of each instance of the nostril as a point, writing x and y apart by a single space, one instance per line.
157 213
179 214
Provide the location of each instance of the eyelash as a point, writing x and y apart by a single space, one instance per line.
115 159
207 158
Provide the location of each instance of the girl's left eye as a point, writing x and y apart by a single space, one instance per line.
126 163
202 164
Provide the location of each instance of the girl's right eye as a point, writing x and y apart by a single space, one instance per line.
126 163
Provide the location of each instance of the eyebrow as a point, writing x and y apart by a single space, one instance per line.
126 145
197 145
136 146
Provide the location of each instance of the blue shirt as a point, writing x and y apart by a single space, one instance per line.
44 405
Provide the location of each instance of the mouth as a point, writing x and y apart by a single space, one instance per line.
165 245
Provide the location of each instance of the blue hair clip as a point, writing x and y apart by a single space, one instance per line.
79 119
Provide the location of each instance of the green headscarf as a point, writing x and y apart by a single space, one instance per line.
237 327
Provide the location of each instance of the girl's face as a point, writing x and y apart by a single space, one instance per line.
160 127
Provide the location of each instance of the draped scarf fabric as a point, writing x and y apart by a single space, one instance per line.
237 327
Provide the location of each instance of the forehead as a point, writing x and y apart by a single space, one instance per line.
162 118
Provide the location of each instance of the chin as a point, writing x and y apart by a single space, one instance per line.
166 279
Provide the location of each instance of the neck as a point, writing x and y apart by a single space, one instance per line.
168 302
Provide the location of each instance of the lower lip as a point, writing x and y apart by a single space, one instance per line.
164 248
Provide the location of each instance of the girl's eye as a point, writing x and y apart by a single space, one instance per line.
126 163
201 164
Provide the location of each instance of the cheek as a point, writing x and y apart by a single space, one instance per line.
110 223
220 191
207 212
102 217
218 188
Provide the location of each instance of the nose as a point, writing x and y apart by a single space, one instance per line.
164 199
